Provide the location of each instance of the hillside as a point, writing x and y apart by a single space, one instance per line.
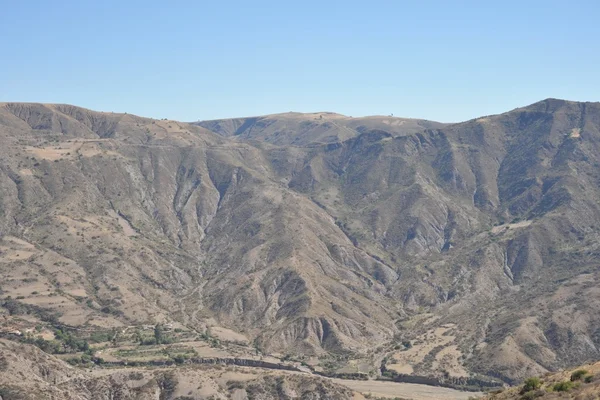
28 373
464 253
575 383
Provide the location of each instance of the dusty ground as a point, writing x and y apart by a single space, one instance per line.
521 224
445 360
405 390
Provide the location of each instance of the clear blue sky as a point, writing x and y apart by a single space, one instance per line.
189 60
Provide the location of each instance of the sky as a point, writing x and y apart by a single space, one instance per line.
193 60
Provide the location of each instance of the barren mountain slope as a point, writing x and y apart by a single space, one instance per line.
439 250
110 219
490 225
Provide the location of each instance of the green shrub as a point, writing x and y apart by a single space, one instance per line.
577 375
563 386
73 360
179 359
588 379
531 384
234 385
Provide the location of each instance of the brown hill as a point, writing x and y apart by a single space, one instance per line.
465 251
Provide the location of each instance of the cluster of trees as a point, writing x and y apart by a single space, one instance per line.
159 337
71 343
63 343
85 359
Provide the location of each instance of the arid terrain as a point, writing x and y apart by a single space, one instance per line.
382 251
28 373
581 383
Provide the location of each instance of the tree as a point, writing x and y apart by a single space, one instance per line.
138 337
158 334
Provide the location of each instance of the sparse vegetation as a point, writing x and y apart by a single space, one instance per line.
135 376
578 375
564 386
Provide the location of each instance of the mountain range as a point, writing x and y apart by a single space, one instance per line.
416 248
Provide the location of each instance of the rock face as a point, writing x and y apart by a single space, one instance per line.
314 233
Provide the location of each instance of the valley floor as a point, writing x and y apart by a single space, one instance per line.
406 390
